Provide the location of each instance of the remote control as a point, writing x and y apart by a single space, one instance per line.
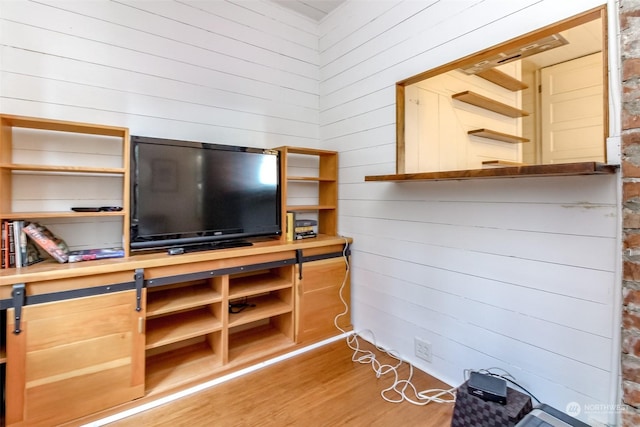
85 209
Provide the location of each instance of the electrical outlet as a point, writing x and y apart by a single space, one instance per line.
423 349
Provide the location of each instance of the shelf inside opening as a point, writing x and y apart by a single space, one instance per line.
477 100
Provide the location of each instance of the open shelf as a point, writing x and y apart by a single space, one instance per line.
252 285
324 172
563 169
172 369
256 343
310 178
3 355
66 214
502 79
499 136
489 104
61 126
179 327
177 299
37 149
62 169
302 208
266 306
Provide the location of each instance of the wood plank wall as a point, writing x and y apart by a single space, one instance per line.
522 274
238 73
242 73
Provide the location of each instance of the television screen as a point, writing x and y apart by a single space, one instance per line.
185 193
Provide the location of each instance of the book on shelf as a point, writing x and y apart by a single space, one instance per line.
299 228
91 254
305 235
49 242
289 225
3 246
306 222
16 249
305 228
8 245
20 242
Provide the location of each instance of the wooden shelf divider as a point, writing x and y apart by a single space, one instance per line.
183 298
180 327
265 307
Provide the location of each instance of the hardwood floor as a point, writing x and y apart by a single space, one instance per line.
323 387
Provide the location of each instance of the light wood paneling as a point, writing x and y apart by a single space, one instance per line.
87 351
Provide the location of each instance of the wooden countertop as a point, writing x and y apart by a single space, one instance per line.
564 169
51 270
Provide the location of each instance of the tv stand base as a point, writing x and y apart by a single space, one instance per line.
223 244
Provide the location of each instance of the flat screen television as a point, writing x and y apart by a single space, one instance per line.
198 195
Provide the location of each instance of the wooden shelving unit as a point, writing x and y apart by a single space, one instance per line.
261 308
326 177
194 316
174 310
182 298
46 129
502 79
180 366
180 327
258 284
257 342
499 136
473 98
185 316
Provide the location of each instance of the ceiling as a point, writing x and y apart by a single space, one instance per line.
314 9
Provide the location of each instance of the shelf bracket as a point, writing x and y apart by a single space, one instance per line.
138 278
299 262
18 295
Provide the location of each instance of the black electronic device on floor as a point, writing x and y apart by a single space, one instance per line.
487 387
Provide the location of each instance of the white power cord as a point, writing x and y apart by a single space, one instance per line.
399 386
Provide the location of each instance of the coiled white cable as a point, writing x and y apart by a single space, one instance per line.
404 389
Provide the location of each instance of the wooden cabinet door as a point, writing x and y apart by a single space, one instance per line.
73 358
319 299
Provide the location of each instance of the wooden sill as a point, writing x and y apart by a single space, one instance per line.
564 169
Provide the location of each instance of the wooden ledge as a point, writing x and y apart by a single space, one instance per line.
563 169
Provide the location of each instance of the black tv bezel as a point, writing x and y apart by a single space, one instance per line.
212 238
